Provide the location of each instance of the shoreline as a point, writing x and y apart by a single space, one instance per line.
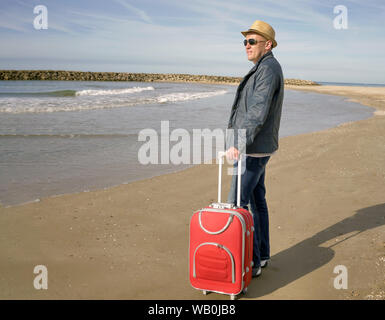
376 98
93 189
115 243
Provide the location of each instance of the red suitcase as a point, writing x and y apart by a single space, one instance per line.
221 245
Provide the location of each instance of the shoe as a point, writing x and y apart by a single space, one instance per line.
256 272
264 263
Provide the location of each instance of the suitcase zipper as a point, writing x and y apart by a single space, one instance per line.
243 223
221 247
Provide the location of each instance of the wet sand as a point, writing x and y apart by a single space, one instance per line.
326 196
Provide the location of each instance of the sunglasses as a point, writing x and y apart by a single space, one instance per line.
251 42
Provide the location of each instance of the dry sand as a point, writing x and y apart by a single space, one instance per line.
326 195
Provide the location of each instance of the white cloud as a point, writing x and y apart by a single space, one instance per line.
140 13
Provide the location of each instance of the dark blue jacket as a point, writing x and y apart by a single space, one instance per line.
257 107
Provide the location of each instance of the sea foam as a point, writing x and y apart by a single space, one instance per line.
112 91
184 96
98 99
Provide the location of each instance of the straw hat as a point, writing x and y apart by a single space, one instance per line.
263 29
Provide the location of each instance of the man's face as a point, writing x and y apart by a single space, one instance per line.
256 51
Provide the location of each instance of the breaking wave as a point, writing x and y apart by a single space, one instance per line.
97 99
112 91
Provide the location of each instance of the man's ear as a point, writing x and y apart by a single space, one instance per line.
269 44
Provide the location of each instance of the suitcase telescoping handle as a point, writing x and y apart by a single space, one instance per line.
221 156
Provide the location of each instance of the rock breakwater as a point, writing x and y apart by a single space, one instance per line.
62 75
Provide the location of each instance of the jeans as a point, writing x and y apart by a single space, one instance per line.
253 194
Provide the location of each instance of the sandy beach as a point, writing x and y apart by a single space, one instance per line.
326 196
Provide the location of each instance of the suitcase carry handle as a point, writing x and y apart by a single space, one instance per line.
221 155
229 220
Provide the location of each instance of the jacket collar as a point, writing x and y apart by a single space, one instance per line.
246 77
267 54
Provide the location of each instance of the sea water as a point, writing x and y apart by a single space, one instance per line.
61 137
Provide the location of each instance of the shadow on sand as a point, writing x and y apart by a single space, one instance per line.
308 255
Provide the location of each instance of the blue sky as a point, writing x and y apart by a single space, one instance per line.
195 36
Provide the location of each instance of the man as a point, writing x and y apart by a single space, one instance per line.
257 109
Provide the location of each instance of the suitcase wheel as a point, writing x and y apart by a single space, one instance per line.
232 297
205 292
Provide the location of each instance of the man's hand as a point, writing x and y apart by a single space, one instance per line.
232 154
